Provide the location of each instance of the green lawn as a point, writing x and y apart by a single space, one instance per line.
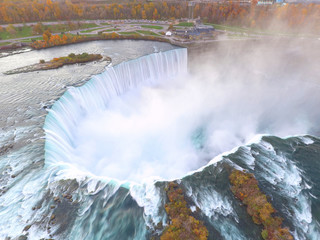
239 29
88 25
111 30
92 30
229 28
26 31
147 32
185 24
89 35
129 33
30 39
55 28
4 43
152 27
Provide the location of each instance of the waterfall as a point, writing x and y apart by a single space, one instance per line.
78 102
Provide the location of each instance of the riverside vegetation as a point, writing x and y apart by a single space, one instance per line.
71 59
59 62
182 224
50 40
245 187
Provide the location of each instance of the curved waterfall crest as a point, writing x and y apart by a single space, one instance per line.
61 121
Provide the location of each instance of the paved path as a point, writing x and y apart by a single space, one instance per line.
133 25
121 25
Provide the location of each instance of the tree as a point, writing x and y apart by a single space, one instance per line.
133 12
155 14
115 13
143 14
46 36
64 39
114 35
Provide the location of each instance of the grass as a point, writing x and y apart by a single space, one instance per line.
4 43
111 30
92 30
239 29
88 35
152 27
88 25
185 24
228 28
129 33
147 32
55 28
26 31
104 24
30 39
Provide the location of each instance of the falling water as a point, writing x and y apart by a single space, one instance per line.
62 122
67 198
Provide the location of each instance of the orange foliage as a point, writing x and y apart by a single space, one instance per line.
295 16
245 187
36 11
50 40
183 225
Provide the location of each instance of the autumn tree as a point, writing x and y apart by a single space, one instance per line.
64 39
46 36
293 16
143 14
155 14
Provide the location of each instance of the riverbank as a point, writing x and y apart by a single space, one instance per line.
60 62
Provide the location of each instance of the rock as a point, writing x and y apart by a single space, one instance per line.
23 237
26 228
4 149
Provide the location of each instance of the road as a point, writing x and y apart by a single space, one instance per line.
121 25
129 25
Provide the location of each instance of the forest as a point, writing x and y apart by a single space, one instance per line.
295 16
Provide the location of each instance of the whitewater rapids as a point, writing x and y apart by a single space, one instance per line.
106 206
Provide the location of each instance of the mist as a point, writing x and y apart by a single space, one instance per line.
233 91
